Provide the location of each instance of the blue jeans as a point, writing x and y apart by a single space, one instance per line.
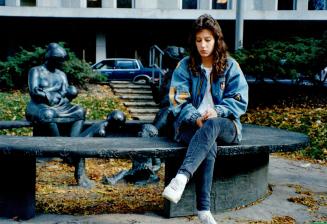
201 154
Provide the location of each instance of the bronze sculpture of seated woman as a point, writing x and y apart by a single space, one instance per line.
51 95
50 108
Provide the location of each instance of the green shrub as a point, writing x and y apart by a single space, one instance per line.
79 72
14 71
296 57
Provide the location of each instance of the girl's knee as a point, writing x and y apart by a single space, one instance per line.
214 122
217 122
209 123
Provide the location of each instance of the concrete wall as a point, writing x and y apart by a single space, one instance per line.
70 9
162 9
146 4
256 5
12 2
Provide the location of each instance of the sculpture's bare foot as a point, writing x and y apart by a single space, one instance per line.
80 174
119 177
85 182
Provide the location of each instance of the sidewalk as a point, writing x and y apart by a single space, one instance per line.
298 181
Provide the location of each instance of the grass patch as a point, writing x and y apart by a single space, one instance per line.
308 120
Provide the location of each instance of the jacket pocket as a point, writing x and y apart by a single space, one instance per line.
182 95
219 88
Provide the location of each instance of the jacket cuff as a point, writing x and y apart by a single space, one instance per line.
193 118
219 111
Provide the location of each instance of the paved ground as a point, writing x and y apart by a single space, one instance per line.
293 180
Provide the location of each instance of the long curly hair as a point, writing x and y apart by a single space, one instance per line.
220 48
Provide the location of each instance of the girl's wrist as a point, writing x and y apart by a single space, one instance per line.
199 121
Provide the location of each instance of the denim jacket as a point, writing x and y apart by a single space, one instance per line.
229 93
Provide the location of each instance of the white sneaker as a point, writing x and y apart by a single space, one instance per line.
174 190
206 217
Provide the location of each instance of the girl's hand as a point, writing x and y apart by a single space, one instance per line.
210 113
199 122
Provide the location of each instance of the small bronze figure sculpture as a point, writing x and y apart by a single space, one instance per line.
144 170
114 121
50 109
172 55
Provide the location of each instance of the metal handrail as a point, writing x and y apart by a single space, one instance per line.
153 59
152 53
161 73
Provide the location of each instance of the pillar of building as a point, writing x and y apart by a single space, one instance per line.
145 4
48 3
169 4
74 3
82 3
269 5
205 4
12 2
302 5
109 3
101 48
239 27
253 5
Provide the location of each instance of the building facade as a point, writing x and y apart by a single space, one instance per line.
96 29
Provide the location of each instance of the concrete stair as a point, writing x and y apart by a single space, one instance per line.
137 98
147 104
133 91
128 84
143 110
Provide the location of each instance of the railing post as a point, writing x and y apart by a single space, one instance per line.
156 64
301 5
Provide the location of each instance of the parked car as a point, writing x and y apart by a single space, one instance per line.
125 69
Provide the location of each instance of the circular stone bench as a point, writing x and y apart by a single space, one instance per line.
240 171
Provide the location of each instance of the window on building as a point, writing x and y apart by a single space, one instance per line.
286 4
27 2
2 2
94 3
220 4
317 5
190 4
125 3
